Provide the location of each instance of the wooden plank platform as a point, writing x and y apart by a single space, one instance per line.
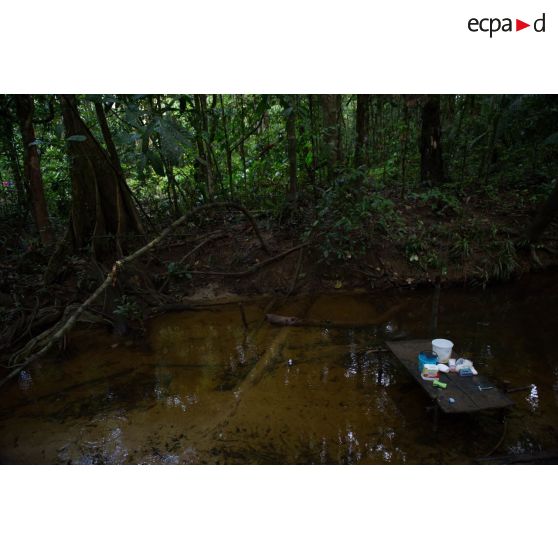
465 390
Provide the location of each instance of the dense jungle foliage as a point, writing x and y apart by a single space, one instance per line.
341 164
347 169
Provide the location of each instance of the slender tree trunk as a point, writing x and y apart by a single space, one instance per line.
406 131
340 125
362 112
13 159
200 103
172 185
330 134
107 136
25 110
314 135
486 162
451 152
242 151
291 148
431 163
228 153
212 121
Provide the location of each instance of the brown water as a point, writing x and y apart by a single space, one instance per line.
199 389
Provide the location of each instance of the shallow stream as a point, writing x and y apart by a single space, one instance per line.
200 388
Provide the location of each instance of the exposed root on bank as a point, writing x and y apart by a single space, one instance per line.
254 268
41 344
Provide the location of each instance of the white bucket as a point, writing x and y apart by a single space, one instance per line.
442 347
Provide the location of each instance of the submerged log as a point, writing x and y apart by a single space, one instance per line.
275 319
298 322
293 321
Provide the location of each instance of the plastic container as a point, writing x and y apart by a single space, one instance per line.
426 357
442 347
430 372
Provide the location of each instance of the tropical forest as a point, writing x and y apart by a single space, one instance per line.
251 278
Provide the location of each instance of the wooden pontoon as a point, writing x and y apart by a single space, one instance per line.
465 392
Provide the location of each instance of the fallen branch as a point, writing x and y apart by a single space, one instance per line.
254 268
174 307
214 236
60 332
293 321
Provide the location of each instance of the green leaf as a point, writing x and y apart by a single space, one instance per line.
77 137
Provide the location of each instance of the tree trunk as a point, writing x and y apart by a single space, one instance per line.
202 134
330 134
431 163
291 148
25 109
105 130
314 137
486 161
340 125
13 160
228 152
362 110
240 100
406 131
101 202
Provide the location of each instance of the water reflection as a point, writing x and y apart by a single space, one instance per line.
25 380
190 394
533 398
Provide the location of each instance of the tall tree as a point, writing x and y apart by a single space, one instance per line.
497 105
101 201
204 144
228 151
362 117
290 120
9 147
431 162
25 109
331 135
107 136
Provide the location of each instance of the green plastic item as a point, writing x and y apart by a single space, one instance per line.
438 384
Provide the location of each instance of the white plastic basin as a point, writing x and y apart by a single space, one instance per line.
442 347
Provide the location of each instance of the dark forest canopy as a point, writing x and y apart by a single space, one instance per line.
344 166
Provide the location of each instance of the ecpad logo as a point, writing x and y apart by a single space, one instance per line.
493 25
